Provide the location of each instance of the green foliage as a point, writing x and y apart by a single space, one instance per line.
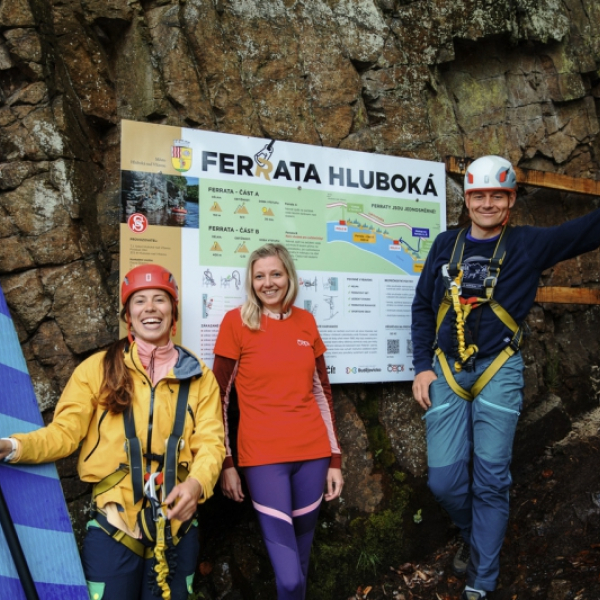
341 562
368 562
379 535
192 193
177 181
380 445
347 556
332 569
399 476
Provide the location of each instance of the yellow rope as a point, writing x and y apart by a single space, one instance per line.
462 312
162 566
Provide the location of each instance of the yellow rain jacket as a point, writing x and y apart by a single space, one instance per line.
78 417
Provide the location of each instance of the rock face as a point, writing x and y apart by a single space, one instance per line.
420 78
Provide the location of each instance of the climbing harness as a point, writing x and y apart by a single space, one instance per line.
157 541
452 274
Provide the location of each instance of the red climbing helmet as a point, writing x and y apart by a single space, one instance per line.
148 276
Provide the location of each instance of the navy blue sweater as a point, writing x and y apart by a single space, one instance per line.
529 251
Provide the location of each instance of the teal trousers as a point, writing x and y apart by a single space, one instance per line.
469 451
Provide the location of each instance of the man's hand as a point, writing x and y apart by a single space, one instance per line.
231 484
187 495
421 388
335 482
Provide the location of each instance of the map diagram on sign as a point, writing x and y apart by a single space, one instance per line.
386 230
323 230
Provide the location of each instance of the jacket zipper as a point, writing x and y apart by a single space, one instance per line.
98 441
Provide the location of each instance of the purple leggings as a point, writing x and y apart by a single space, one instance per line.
287 497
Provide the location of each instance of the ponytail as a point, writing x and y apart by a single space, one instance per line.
116 391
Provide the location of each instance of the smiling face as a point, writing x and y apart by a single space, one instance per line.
488 210
270 282
151 315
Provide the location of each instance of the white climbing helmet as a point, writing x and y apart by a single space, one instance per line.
490 173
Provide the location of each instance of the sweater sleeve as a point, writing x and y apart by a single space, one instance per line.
225 370
550 245
71 421
423 320
207 438
322 392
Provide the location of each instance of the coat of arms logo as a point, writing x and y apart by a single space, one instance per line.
181 155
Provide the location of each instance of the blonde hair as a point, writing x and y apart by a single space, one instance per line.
252 308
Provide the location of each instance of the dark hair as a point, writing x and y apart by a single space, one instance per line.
116 391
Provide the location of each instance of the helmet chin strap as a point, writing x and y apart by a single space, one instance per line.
506 218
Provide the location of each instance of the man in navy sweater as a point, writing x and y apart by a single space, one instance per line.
475 291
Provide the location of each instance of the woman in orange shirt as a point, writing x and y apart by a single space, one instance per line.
287 440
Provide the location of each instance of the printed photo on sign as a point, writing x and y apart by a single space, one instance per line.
168 200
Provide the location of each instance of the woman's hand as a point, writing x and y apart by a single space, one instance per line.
231 484
5 449
187 495
335 482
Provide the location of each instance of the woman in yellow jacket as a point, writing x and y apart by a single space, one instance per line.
147 414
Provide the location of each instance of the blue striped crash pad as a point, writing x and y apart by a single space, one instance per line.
33 492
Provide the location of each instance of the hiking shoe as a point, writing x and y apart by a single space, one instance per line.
461 560
472 595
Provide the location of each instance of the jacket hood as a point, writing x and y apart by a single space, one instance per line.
186 367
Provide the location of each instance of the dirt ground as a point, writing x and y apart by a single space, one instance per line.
552 546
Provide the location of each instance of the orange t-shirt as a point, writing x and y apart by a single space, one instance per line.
280 419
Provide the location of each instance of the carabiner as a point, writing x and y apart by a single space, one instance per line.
450 283
150 491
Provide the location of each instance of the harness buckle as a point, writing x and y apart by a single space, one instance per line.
490 282
469 364
450 283
515 342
